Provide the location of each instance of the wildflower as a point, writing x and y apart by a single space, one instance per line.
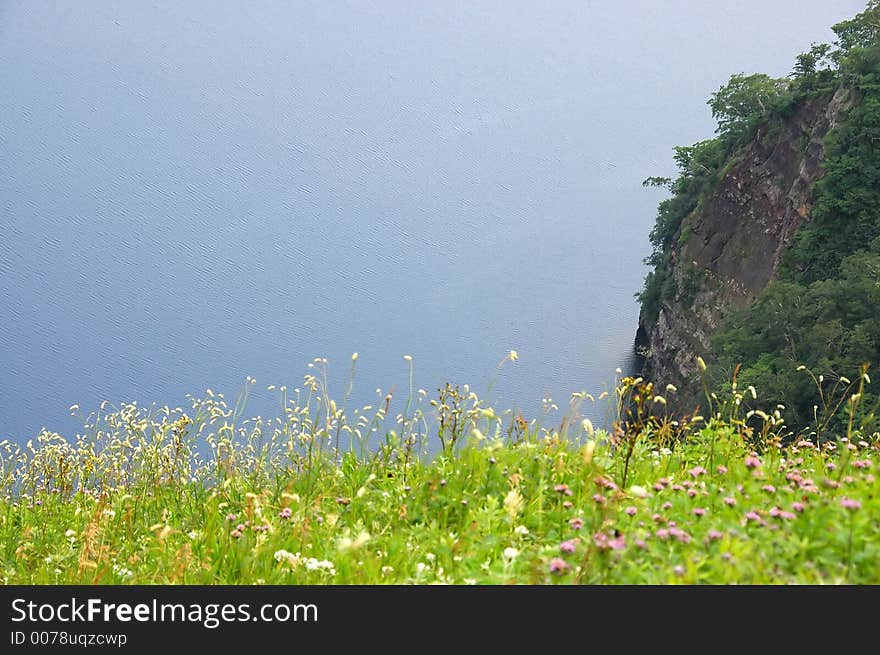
640 544
510 554
678 569
692 493
563 489
638 491
753 516
714 535
521 530
774 511
599 499
235 534
849 503
697 471
313 564
752 461
618 543
576 523
862 463
831 466
658 518
558 565
788 516
605 483
287 557
231 517
513 503
680 535
567 504
769 488
285 513
677 487
699 511
658 486
798 507
721 469
662 534
630 511
568 546
666 505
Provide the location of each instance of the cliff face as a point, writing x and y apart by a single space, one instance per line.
729 248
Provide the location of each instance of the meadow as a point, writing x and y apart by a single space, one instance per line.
446 490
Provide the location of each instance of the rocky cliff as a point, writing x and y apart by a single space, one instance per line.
728 249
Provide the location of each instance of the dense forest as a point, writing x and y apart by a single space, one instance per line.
808 338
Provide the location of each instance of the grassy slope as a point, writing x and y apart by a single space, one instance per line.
717 508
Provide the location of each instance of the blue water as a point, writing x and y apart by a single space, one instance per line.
195 192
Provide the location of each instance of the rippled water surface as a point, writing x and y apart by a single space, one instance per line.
195 192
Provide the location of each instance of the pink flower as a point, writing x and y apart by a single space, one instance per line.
730 500
788 516
831 466
640 544
576 523
568 546
700 511
558 566
714 535
658 486
631 511
849 503
657 518
721 469
798 507
769 488
697 471
862 463
285 513
618 544
563 489
680 534
692 493
663 534
677 487
567 504
678 569
774 512
666 505
235 534
599 499
753 516
231 517
752 461
605 483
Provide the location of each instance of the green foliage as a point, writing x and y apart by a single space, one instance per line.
744 103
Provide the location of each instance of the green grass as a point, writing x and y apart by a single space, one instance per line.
158 497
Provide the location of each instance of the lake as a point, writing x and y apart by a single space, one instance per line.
192 193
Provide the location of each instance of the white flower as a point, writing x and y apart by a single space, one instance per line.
510 554
521 530
638 492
